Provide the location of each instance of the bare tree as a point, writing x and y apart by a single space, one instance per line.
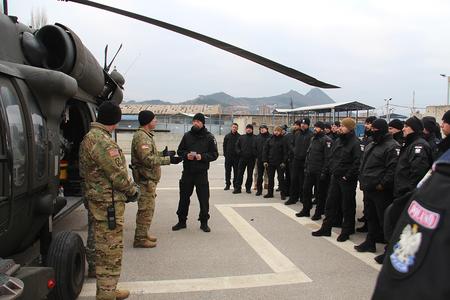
38 17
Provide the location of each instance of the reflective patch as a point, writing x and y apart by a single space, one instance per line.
114 152
423 216
417 149
404 255
362 147
329 144
398 151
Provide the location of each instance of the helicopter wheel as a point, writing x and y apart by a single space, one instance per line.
66 256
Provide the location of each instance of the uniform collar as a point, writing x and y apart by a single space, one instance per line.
148 132
101 127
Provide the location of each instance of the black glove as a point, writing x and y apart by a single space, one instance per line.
165 152
174 160
135 197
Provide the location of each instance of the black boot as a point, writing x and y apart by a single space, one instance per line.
323 231
258 193
380 258
290 202
302 213
248 191
366 246
237 191
227 187
343 236
180 225
364 228
204 226
268 195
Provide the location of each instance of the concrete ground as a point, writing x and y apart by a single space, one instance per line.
257 249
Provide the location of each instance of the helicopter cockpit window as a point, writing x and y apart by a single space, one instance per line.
17 132
39 139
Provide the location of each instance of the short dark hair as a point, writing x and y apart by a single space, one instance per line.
235 124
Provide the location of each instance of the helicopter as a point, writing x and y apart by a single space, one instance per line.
50 88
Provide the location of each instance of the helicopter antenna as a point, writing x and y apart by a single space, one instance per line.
132 64
115 55
106 57
216 43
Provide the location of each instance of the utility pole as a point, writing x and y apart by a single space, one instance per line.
388 112
448 87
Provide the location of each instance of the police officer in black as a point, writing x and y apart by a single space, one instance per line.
231 158
301 145
444 145
198 148
245 149
344 168
395 129
316 164
413 163
376 180
261 140
432 134
289 138
417 261
274 158
335 130
327 130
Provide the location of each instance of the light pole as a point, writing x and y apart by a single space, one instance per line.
388 112
448 86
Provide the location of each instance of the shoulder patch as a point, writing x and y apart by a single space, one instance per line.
114 152
418 149
398 151
423 216
404 252
329 144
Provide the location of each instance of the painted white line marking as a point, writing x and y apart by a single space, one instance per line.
347 246
177 188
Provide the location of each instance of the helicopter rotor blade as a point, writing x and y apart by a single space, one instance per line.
214 42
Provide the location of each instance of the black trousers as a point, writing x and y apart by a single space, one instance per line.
287 178
231 163
377 202
249 164
260 175
271 175
297 178
187 183
320 187
341 194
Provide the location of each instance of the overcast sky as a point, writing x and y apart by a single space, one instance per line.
372 49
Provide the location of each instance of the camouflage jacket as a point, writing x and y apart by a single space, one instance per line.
145 158
103 167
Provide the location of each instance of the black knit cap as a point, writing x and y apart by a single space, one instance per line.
381 125
306 121
327 125
370 120
429 123
109 113
446 117
396 123
415 123
298 122
263 126
320 124
145 117
199 117
249 126
337 123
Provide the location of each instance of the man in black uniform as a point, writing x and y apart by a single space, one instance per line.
444 145
344 167
261 140
376 180
395 128
231 158
245 149
315 172
301 145
417 262
413 163
432 134
198 148
327 130
335 130
274 159
289 138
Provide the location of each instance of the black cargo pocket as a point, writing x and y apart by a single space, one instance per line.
412 238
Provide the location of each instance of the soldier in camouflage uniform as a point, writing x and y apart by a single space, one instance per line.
146 163
106 184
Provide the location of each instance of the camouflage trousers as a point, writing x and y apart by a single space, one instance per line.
146 209
108 248
90 243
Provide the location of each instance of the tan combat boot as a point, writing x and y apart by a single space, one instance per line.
122 294
144 243
151 238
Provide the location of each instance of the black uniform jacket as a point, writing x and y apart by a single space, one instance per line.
433 141
229 143
275 151
202 142
301 144
245 146
345 157
413 163
417 263
318 155
290 142
378 164
261 140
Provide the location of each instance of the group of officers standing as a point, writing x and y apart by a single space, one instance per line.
327 163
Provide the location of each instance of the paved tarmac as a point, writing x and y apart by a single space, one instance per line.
257 249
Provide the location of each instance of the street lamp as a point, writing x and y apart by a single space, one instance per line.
448 86
388 111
